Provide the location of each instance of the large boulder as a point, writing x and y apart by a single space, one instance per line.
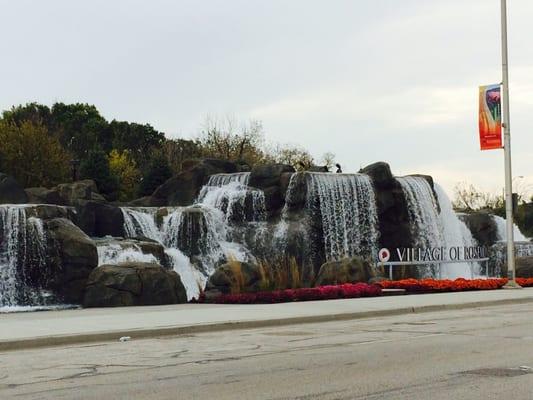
268 175
392 208
380 173
66 194
273 180
348 270
41 195
49 211
482 226
133 284
98 218
182 189
235 277
72 193
72 256
294 185
93 214
10 191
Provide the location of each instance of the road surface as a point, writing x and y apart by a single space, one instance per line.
482 353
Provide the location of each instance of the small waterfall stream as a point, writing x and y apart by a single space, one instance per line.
501 226
22 242
435 224
346 204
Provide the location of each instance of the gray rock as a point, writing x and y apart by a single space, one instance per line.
380 173
41 195
349 270
133 284
268 175
482 226
182 189
234 277
72 256
98 218
10 191
72 193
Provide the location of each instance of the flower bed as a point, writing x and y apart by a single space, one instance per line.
345 291
353 290
446 285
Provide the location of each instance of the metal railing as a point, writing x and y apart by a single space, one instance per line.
439 263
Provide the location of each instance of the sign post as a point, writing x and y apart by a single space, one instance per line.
507 151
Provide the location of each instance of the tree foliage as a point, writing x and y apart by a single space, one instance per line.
226 139
122 165
95 166
155 174
40 141
31 155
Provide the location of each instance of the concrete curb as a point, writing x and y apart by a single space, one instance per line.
50 341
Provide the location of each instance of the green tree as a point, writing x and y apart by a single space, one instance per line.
95 166
36 113
139 140
80 128
156 174
31 155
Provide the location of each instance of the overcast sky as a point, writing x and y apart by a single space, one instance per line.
392 80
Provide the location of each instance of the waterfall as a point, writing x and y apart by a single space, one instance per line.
192 279
423 211
114 253
199 232
501 226
22 251
140 222
231 194
455 233
346 204
224 179
435 224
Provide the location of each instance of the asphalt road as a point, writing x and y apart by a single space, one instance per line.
468 354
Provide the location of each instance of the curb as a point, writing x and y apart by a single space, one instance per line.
51 341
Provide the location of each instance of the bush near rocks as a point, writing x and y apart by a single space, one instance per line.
133 284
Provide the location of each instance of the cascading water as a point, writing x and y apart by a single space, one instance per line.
501 226
455 234
231 194
423 211
22 244
141 222
346 204
114 253
435 224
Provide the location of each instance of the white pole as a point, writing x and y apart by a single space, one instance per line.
507 151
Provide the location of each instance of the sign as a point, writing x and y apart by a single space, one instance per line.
490 117
384 255
433 254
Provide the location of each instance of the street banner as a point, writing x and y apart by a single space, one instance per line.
490 117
